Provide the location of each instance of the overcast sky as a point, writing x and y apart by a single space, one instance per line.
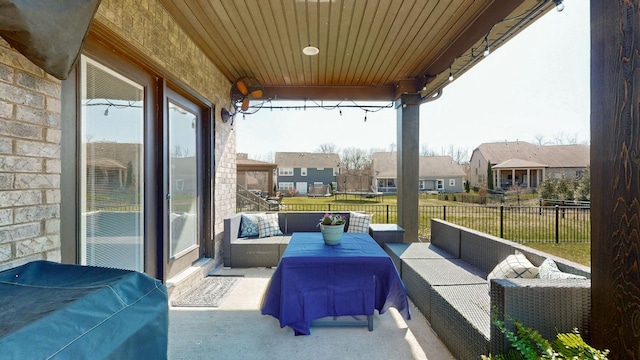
535 85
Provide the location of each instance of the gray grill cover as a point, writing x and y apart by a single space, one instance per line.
48 33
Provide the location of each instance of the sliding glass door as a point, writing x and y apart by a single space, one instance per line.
111 169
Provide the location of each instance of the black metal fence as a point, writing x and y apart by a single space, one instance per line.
544 224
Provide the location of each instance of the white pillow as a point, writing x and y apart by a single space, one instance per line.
549 270
514 266
359 223
268 225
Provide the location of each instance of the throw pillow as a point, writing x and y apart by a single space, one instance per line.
549 270
359 223
249 225
514 266
268 225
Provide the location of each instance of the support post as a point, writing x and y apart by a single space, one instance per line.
615 177
408 134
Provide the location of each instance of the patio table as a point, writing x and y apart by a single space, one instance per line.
314 280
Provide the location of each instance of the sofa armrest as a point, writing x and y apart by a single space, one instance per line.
231 231
548 306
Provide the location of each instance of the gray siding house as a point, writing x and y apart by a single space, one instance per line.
436 173
524 164
306 172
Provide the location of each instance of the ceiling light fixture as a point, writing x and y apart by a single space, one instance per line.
311 50
450 74
559 5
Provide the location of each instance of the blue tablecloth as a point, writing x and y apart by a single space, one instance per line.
315 280
60 311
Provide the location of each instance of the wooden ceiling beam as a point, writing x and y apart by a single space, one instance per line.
498 11
330 93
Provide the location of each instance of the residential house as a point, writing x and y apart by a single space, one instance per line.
436 173
305 171
524 164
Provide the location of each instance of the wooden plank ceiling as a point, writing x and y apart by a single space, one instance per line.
369 49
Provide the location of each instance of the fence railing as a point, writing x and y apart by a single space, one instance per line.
543 224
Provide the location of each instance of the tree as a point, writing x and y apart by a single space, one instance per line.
356 161
327 148
583 187
489 176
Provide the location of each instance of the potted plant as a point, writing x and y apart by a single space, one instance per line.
332 228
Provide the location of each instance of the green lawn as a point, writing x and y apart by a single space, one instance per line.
578 252
431 207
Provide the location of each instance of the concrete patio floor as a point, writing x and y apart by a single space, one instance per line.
237 330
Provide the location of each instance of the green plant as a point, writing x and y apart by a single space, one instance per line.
530 345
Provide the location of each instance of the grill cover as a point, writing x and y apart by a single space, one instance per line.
48 33
52 310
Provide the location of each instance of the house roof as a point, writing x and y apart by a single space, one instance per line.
518 163
385 166
553 156
367 51
307 160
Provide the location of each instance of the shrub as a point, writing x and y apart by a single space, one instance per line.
530 345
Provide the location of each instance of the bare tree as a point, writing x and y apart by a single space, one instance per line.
539 140
327 148
268 157
392 147
356 161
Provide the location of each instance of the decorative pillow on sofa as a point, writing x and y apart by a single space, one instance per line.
249 225
514 266
359 223
268 225
549 270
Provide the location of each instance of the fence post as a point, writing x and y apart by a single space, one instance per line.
557 224
501 221
329 207
444 212
388 213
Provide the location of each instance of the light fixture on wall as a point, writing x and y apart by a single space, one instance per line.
226 116
559 5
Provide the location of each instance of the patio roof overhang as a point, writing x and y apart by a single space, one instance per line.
367 50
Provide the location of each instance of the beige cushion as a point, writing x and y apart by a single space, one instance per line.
514 266
549 270
359 223
268 225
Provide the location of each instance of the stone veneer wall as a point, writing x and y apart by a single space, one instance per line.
29 161
30 129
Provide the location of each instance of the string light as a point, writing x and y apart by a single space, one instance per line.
486 48
450 74
521 19
559 5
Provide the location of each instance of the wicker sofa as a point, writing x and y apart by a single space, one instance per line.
267 251
447 281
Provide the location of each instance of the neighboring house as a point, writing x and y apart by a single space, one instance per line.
524 164
436 173
303 171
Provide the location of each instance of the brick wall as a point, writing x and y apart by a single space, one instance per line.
29 161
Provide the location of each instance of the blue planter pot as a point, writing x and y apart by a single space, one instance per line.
332 234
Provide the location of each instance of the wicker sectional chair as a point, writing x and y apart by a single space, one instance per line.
446 279
267 251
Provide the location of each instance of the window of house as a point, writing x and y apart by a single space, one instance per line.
285 185
336 171
440 184
285 171
319 169
452 182
303 171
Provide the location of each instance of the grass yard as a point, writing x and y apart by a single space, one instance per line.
484 219
578 252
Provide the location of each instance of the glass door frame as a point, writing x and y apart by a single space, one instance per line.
179 262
